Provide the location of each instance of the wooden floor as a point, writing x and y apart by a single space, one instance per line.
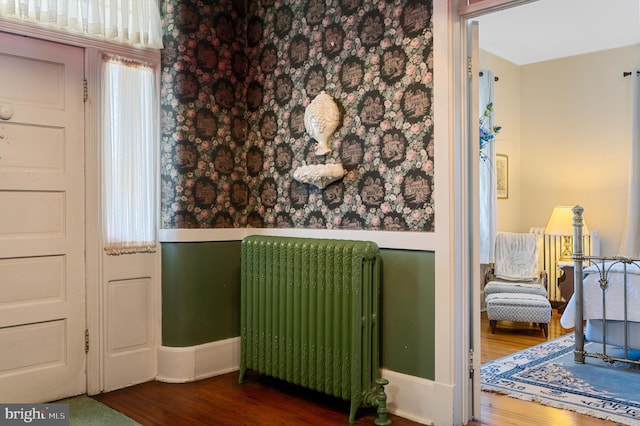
262 401
222 401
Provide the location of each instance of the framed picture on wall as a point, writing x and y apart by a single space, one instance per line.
502 176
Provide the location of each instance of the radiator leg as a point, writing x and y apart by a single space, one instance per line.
352 413
243 371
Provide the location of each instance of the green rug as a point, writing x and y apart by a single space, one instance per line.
86 411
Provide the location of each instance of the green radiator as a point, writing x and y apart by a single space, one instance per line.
310 316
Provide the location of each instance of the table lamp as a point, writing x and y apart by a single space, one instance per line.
561 224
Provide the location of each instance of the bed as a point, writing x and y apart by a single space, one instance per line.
608 302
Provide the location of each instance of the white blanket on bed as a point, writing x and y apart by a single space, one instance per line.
592 296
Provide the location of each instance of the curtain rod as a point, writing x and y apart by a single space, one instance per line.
628 73
494 78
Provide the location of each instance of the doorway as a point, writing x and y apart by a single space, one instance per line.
544 171
78 321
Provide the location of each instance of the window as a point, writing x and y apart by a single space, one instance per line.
129 135
133 22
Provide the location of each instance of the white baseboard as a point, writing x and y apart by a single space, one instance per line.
413 398
186 364
417 399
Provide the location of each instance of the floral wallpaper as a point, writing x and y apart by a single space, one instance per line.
235 83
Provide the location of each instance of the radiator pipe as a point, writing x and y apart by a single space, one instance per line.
382 419
377 397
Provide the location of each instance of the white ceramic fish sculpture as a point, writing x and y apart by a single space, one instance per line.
321 119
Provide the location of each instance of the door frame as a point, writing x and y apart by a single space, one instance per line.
96 270
94 304
469 198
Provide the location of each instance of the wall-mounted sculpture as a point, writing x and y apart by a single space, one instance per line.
321 119
319 175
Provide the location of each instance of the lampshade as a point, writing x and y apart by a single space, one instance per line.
561 222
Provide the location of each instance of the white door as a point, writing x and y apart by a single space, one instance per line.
42 281
130 289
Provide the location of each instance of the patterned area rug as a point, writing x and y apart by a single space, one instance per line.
547 374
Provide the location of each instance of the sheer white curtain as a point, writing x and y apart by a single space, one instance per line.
487 179
630 243
134 22
129 136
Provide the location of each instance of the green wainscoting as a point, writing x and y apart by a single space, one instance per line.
201 301
200 292
408 312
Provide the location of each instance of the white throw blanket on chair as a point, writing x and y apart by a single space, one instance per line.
516 256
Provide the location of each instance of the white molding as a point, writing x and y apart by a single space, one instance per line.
30 29
488 6
443 401
417 399
384 239
187 364
93 229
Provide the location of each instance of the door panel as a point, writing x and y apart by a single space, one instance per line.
42 285
34 346
22 218
45 80
46 140
32 279
129 303
131 319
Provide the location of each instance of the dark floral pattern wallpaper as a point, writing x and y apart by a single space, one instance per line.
235 83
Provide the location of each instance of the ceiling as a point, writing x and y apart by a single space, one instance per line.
551 29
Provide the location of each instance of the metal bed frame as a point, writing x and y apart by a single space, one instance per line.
604 266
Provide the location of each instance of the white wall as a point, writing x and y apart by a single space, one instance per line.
574 139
